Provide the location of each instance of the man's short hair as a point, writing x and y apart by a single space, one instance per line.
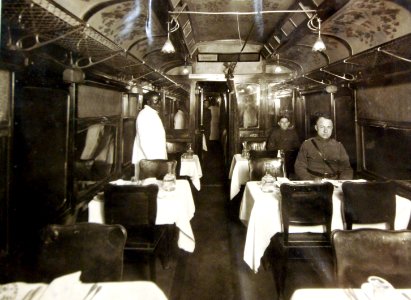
147 96
283 117
322 115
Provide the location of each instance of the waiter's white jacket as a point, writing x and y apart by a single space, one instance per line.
150 140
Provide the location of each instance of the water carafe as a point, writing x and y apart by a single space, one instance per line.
245 153
169 180
267 182
190 152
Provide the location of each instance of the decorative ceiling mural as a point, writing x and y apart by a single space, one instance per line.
368 23
123 39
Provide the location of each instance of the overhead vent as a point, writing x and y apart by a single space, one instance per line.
228 57
288 27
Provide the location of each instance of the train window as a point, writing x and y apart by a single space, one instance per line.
386 152
248 97
95 155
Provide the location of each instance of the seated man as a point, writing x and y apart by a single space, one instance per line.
322 156
283 137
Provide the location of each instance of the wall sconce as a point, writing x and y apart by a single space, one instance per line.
319 44
168 46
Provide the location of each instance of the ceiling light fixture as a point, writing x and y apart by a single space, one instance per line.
185 70
278 68
168 46
319 44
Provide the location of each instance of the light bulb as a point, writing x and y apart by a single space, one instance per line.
168 46
185 70
319 44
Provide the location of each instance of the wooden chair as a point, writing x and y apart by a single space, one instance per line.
302 205
257 169
157 168
177 157
258 146
135 207
361 253
290 157
94 249
263 154
369 202
174 152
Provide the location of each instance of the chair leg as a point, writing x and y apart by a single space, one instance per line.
152 263
165 254
283 273
279 268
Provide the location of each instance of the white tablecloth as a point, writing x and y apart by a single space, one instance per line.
172 207
261 213
69 287
344 294
239 174
191 167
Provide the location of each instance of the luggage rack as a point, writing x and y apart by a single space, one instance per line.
37 23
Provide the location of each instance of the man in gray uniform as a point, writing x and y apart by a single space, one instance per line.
322 156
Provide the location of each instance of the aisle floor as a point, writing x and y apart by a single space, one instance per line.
216 269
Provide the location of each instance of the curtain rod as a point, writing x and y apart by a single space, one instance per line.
241 13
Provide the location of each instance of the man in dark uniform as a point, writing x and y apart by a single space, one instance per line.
283 137
322 156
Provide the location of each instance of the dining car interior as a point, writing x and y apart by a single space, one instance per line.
228 212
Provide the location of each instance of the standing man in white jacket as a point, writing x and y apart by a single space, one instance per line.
150 140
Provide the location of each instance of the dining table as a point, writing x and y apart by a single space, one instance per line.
173 207
239 174
260 212
191 167
69 287
348 294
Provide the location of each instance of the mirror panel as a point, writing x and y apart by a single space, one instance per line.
280 102
176 115
248 103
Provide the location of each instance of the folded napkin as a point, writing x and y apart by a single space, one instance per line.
122 182
380 289
150 180
67 287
